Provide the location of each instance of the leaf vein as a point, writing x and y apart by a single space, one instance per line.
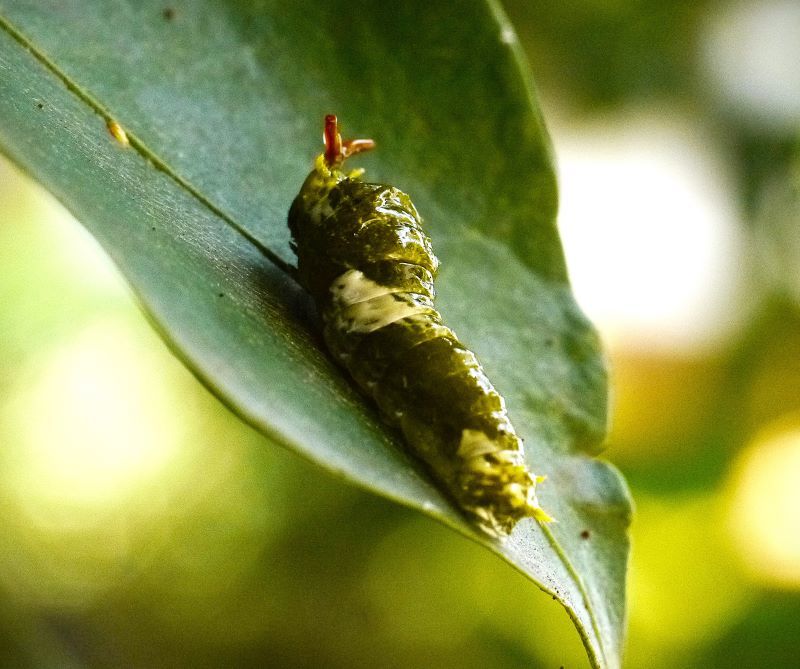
142 149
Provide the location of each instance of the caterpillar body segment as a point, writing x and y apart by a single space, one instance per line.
369 266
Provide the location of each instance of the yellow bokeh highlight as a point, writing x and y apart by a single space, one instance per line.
764 507
91 422
685 585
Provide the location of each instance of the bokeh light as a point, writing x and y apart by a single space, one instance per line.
685 586
92 422
764 507
650 232
752 49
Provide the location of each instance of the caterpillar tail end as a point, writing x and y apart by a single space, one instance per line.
513 502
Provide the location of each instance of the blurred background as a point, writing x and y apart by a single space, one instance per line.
141 525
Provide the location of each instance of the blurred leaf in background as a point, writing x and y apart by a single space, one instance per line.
677 130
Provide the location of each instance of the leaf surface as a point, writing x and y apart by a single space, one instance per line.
222 104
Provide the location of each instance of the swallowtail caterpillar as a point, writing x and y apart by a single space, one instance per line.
369 266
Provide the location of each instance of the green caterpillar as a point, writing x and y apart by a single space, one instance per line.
369 266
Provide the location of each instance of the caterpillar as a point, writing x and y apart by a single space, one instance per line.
366 261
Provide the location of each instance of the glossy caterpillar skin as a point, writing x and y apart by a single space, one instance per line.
369 266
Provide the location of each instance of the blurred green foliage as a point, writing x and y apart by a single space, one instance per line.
603 53
683 419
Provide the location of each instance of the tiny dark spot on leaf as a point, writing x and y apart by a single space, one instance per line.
153 228
222 294
550 342
168 13
586 534
40 105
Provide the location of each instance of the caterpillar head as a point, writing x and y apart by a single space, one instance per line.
316 204
328 168
336 151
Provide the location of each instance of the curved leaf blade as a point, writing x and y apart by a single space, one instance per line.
222 103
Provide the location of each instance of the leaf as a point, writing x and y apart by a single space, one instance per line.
221 103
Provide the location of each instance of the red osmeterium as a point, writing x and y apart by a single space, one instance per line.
336 150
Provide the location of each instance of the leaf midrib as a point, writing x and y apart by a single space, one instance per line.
153 158
558 548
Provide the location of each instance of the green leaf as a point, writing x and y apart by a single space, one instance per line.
222 102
